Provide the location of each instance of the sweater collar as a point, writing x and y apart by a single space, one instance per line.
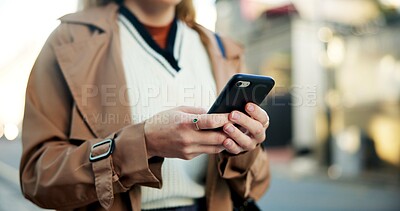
168 52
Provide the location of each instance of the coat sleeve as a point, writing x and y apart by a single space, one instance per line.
247 174
55 171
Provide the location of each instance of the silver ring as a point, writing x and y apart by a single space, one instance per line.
195 121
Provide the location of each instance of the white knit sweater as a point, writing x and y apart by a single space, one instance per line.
155 86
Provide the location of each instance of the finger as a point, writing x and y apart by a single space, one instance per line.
192 110
208 121
232 147
243 140
209 137
208 149
258 114
255 128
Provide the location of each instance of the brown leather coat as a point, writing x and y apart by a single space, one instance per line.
76 97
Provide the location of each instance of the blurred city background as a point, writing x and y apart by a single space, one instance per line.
334 139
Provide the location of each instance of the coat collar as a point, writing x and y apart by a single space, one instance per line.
93 69
100 17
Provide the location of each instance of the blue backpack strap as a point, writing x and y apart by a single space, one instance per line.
220 45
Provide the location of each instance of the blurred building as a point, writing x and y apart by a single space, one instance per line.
337 68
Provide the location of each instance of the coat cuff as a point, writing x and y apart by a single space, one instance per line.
235 166
130 159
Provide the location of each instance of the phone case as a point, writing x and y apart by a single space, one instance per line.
237 92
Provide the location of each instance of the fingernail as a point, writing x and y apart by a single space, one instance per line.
228 143
229 129
235 115
250 107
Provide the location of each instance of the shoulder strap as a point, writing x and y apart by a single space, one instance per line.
220 45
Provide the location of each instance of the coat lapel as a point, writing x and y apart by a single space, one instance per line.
223 68
93 70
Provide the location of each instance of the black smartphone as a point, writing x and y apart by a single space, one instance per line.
241 89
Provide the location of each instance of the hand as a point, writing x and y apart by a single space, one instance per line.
173 134
254 125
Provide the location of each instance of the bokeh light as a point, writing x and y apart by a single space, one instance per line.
325 34
11 131
336 50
